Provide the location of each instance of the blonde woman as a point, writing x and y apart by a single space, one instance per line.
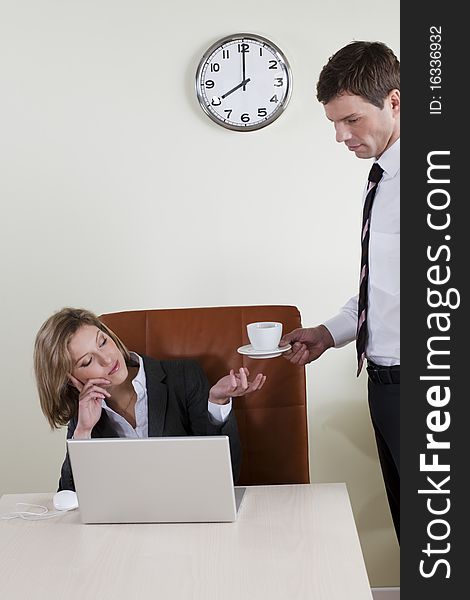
87 379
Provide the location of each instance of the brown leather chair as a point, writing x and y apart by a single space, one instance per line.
273 421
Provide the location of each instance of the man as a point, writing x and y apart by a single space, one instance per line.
359 88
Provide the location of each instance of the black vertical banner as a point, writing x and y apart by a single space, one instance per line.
435 328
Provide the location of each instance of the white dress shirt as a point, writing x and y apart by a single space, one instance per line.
218 412
383 317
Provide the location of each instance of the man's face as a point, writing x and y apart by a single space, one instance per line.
365 129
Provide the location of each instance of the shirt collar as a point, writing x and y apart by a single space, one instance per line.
390 159
139 380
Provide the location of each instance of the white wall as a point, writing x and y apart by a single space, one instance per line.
118 193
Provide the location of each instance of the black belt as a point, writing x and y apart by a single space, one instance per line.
381 374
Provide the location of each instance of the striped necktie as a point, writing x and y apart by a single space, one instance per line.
375 176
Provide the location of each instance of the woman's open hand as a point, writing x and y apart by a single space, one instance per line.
234 384
91 393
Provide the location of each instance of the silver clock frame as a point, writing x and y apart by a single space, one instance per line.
281 57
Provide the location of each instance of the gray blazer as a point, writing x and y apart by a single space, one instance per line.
177 393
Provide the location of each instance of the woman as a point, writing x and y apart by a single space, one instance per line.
88 379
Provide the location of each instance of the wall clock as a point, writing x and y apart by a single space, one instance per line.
243 82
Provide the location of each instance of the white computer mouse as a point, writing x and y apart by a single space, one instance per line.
65 500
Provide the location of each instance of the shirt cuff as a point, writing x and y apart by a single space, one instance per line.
219 412
342 328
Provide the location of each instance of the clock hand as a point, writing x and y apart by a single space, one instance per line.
243 83
243 69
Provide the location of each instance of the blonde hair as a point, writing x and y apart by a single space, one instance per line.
52 362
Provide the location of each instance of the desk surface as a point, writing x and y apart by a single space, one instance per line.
289 542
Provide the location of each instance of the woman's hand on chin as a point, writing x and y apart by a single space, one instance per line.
91 394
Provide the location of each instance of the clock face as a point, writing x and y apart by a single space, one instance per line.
243 82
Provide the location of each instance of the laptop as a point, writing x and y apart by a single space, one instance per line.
154 480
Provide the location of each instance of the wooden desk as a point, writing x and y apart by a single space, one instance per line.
289 542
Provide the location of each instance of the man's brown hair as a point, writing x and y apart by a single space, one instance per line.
367 69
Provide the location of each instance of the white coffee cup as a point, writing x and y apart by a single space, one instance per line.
264 335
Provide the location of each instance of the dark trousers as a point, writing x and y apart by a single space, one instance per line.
384 406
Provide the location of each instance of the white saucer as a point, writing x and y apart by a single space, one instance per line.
248 350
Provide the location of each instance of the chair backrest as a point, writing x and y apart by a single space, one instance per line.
273 421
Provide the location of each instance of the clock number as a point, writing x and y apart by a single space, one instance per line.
229 112
245 117
278 82
215 67
216 101
225 54
261 51
243 48
209 84
262 112
273 64
274 99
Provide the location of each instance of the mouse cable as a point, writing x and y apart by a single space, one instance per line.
31 515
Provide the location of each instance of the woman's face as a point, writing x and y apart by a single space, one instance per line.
95 355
